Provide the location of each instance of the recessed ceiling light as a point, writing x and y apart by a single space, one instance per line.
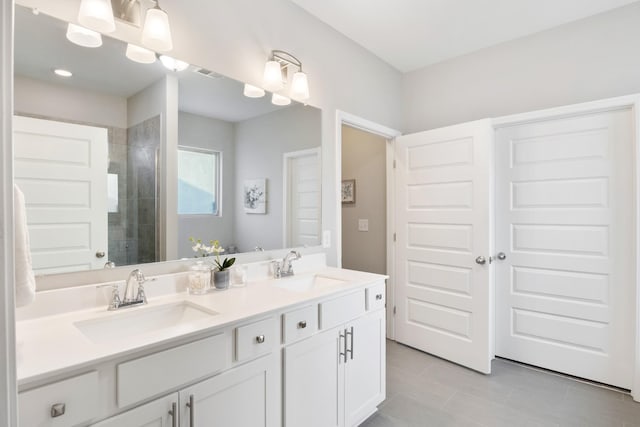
63 73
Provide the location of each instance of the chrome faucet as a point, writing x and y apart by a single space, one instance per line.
131 298
284 268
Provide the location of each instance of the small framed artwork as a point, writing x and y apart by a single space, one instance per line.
348 191
255 196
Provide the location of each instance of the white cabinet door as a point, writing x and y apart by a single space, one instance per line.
443 228
365 368
158 413
241 397
313 381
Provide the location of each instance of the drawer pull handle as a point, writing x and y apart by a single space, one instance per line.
174 414
302 324
379 296
260 339
58 410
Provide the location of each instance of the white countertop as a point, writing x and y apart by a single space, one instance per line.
51 345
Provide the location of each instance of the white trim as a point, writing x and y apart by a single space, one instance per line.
343 118
8 390
630 101
285 185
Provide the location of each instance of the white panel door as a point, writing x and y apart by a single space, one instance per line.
62 170
302 190
564 221
442 226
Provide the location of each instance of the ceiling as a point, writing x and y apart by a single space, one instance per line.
411 34
107 70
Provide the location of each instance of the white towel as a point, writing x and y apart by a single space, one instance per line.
25 279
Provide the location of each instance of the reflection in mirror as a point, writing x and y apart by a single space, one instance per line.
92 157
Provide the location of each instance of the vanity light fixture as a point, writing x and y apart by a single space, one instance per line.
97 15
280 100
173 64
276 72
140 54
251 91
83 36
156 32
62 73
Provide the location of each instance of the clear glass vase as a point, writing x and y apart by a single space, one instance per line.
199 278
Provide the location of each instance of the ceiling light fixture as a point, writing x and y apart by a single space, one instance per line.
62 73
97 15
173 64
280 100
156 32
276 72
83 36
140 54
251 91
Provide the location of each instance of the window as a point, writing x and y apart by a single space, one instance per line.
198 181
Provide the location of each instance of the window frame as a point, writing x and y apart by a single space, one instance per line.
218 181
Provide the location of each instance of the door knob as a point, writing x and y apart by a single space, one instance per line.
100 254
501 256
481 260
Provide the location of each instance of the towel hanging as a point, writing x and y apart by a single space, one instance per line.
25 280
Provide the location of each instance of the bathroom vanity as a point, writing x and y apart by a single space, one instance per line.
306 350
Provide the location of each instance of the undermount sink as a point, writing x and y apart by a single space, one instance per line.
305 283
138 321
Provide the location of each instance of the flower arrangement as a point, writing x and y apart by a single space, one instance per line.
214 247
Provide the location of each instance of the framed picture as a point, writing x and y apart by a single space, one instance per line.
255 196
349 191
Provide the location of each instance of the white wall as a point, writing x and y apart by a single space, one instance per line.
36 97
235 37
260 145
590 59
364 159
216 135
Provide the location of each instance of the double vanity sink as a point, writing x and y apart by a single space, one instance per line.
270 353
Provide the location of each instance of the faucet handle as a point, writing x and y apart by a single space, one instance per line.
142 296
277 268
115 298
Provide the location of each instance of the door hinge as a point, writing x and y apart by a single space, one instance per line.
394 310
394 237
394 164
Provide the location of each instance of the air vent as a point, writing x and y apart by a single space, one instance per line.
208 73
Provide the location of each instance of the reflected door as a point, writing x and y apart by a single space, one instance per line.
62 170
302 196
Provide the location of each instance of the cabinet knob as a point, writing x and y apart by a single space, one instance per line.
58 410
260 339
379 296
302 324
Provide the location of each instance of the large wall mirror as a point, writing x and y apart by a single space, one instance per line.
92 157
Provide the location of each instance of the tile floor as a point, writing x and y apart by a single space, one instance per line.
423 390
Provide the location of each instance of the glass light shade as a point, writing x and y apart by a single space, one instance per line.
280 100
156 33
272 80
253 91
173 64
300 86
97 15
140 54
83 36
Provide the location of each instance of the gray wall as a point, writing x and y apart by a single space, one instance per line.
364 159
217 135
590 59
260 145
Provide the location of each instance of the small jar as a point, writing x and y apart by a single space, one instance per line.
199 278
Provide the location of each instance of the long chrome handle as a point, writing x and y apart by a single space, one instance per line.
192 411
174 414
350 349
340 343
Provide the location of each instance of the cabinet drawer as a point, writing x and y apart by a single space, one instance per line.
76 400
340 310
375 296
299 323
255 339
154 374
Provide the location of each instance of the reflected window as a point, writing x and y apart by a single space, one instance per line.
198 181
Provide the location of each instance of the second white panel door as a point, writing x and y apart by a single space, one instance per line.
564 221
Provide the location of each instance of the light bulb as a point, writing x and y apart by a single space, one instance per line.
97 15
280 100
272 80
173 64
253 91
156 33
300 86
62 72
83 36
140 54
